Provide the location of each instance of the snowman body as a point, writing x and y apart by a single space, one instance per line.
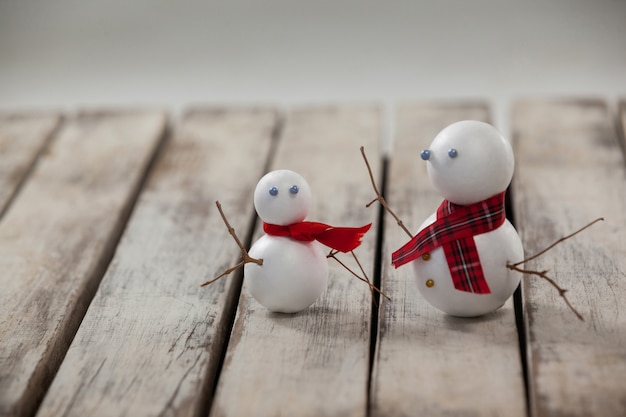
293 275
495 249
470 162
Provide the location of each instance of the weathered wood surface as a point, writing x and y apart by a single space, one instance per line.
22 138
428 363
314 363
571 170
57 239
152 340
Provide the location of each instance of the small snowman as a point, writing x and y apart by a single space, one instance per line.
286 270
461 252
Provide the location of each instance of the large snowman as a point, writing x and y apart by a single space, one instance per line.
460 253
294 269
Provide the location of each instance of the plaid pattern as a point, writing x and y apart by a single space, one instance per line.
343 239
454 230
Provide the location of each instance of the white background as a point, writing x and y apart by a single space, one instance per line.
67 54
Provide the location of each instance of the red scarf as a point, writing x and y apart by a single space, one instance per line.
343 239
454 230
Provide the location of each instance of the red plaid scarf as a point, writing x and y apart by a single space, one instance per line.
343 239
454 230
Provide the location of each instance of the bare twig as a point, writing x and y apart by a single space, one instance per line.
332 254
379 196
228 271
559 241
244 253
368 281
542 274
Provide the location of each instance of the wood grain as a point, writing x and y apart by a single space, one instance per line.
152 339
22 138
57 239
572 171
313 363
428 363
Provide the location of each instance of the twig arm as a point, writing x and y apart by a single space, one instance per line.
246 258
332 254
542 274
564 238
379 196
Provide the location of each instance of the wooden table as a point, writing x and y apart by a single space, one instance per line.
108 226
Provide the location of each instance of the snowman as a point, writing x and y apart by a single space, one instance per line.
460 253
286 270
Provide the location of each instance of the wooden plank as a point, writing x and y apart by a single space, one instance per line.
22 138
571 171
57 239
313 363
429 363
152 339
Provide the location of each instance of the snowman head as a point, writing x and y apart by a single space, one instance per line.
282 197
469 161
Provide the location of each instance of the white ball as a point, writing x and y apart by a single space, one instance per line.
293 275
282 197
495 249
470 161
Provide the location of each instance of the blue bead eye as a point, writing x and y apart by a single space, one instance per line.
273 191
294 189
425 154
452 153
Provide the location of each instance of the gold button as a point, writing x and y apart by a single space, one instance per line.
430 283
426 256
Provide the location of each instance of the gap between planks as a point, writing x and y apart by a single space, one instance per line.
230 310
378 268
